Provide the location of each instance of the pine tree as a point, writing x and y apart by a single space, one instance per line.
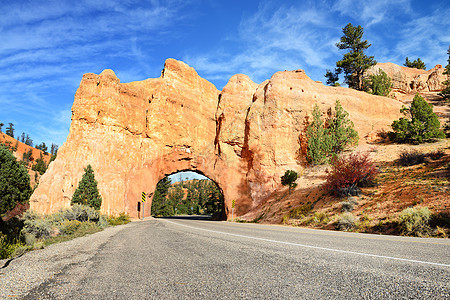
87 192
14 181
10 130
289 179
420 125
40 165
355 62
1 125
417 64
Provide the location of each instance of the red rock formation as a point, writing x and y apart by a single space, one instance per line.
410 80
243 138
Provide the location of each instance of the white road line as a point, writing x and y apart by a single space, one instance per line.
312 247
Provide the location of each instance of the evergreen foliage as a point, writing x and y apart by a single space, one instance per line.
10 130
40 165
418 64
319 144
341 130
14 181
27 156
324 140
87 192
355 62
446 92
420 125
187 197
1 125
379 84
289 179
332 77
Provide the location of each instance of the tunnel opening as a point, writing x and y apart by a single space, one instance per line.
188 193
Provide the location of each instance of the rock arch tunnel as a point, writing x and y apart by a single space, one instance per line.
243 137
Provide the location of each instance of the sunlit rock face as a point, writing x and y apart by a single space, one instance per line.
410 80
243 137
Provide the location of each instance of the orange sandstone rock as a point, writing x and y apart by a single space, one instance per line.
243 138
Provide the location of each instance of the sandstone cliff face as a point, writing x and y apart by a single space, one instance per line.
409 80
243 138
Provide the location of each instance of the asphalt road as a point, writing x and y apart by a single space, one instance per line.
181 258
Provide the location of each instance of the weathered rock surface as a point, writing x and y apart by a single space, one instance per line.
243 138
410 80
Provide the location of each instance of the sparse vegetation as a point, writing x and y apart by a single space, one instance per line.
415 221
420 125
33 230
410 158
349 173
121 219
346 222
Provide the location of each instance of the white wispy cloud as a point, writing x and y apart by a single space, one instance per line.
272 39
372 12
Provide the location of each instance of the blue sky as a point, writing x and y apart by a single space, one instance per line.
46 46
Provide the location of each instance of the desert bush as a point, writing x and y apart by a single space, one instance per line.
349 173
435 155
122 218
349 205
69 227
346 222
411 158
300 211
81 213
8 247
415 221
36 225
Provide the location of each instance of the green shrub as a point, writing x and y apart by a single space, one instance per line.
300 211
8 247
346 222
122 218
379 84
333 138
420 125
81 213
36 225
69 227
415 221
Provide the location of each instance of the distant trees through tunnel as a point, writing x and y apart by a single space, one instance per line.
187 193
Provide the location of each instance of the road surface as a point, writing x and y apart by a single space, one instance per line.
183 258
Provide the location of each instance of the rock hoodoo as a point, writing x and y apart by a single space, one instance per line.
243 137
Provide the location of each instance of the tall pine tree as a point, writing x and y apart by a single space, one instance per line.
355 62
87 192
